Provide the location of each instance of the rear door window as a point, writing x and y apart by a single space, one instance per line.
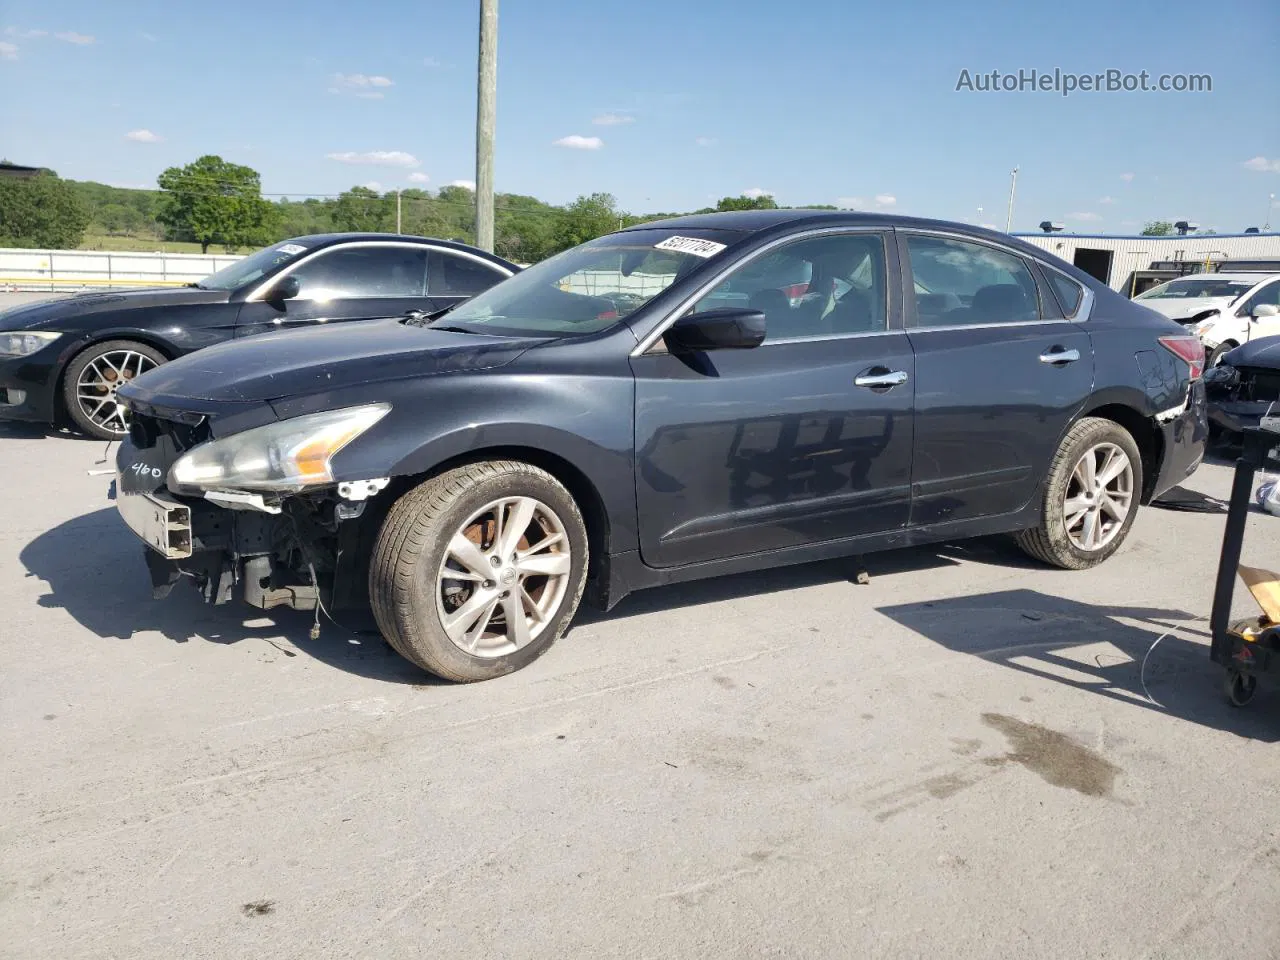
959 283
453 275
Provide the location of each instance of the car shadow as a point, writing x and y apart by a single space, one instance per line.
95 572
994 551
1099 650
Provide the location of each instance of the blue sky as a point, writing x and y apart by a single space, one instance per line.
828 101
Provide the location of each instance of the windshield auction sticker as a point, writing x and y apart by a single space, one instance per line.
692 245
291 249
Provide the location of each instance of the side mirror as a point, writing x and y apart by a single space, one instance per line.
727 329
1265 311
286 288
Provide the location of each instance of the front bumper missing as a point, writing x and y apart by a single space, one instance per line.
161 522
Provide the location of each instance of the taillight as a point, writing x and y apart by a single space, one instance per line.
795 291
1189 349
607 315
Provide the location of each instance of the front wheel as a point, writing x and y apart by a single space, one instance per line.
1090 497
95 375
1218 352
476 572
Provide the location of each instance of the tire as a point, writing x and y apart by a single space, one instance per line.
1061 539
412 594
1218 352
92 378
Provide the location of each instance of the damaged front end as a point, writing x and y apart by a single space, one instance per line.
1241 395
295 541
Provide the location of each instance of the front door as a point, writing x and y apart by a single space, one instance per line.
359 281
804 439
999 377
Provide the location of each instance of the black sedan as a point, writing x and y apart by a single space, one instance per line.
69 357
1245 386
650 407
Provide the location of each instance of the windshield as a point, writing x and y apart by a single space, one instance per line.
252 267
590 287
1200 287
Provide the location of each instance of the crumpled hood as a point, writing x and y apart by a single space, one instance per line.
298 363
63 313
1264 352
1184 308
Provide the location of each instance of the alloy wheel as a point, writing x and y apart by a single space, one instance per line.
1099 497
503 576
99 382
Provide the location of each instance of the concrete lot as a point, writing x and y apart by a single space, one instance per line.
957 760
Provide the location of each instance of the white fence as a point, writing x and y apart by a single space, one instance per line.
55 270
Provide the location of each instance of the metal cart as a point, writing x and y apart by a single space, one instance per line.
1245 648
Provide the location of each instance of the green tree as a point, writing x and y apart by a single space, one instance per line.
762 202
41 211
585 219
213 201
362 209
1157 228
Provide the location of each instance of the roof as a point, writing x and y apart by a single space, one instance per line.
750 221
1249 278
316 240
8 169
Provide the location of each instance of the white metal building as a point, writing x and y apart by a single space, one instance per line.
1129 264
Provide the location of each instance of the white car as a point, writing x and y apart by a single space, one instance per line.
1222 309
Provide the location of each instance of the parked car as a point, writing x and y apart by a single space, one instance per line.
470 476
1245 386
1223 309
69 357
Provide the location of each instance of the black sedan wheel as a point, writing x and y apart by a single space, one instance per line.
93 378
1090 499
476 572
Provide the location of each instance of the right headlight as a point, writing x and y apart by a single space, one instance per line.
280 457
23 343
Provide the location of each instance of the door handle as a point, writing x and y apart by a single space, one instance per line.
1057 356
889 378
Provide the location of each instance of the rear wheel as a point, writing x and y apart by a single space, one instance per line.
1090 498
478 571
95 375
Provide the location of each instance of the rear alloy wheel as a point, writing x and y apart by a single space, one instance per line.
476 572
1090 499
95 376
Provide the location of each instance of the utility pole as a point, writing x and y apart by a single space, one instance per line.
1013 185
1271 202
398 211
486 109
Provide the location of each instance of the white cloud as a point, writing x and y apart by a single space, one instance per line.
576 142
1128 223
1262 165
418 177
1127 177
24 34
79 39
1106 200
149 37
465 184
850 203
143 136
755 193
8 51
373 185
612 119
1084 215
886 200
431 63
361 84
705 141
376 158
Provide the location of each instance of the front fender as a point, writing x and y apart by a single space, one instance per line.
586 420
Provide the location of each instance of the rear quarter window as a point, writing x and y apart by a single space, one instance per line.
1068 292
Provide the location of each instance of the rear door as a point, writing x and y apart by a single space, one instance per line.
453 276
353 281
803 439
1000 374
